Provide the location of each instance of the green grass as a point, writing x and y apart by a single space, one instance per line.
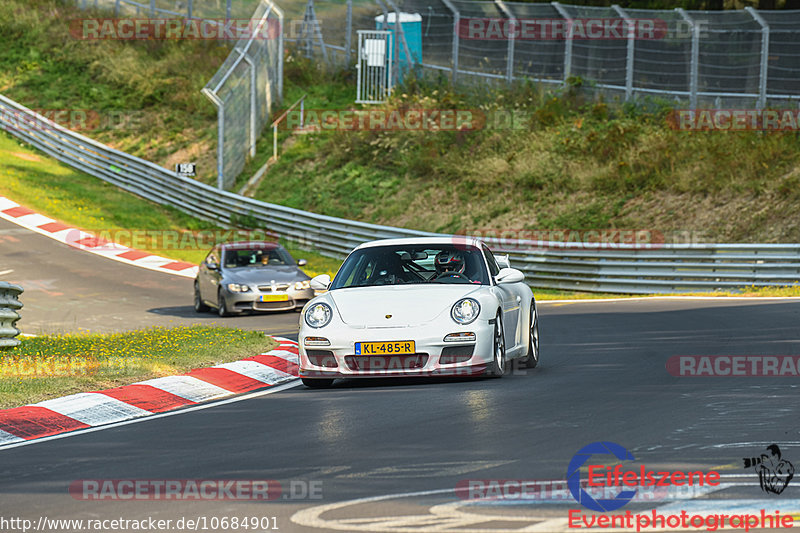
56 365
142 96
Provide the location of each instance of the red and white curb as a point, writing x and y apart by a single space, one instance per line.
146 398
77 238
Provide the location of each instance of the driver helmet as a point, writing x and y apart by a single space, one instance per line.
449 262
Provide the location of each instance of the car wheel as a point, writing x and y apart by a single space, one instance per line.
533 341
199 305
497 368
315 383
222 306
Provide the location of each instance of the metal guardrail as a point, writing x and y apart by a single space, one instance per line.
9 307
622 268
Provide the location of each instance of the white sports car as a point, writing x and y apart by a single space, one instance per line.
418 307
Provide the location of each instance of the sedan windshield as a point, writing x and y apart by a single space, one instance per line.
257 257
410 264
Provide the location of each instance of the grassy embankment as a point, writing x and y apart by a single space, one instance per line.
140 96
56 365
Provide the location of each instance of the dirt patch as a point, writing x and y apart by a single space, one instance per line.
27 157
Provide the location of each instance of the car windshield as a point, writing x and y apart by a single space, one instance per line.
257 257
412 264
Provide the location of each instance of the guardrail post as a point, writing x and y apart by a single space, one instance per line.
348 33
570 37
253 92
217 101
630 57
456 36
695 66
512 30
764 72
400 32
189 9
152 8
9 307
279 12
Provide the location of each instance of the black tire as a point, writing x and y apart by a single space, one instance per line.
317 383
497 368
532 359
199 304
222 306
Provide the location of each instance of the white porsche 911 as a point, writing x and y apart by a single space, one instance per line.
418 307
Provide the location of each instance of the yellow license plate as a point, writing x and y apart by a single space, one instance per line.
385 348
274 297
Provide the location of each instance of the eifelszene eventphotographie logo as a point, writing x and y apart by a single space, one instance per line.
626 478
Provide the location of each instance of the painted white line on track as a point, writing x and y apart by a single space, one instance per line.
271 390
187 387
6 437
93 408
257 371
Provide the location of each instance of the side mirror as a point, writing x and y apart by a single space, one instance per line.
321 282
509 275
302 262
502 261
212 265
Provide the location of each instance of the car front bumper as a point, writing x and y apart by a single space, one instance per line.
433 356
250 300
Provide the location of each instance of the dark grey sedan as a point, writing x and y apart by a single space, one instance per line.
250 276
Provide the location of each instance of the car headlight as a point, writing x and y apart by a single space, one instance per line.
236 287
301 285
465 311
318 315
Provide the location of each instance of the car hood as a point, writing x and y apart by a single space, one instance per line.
265 274
408 305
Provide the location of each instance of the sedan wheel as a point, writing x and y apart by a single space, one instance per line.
199 305
533 342
498 365
222 306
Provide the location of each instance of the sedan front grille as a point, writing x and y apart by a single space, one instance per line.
279 287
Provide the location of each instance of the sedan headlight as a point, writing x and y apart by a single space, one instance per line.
318 315
301 285
465 311
236 287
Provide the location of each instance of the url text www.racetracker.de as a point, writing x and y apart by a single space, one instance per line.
195 523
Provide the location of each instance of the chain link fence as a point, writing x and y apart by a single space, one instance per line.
736 58
247 86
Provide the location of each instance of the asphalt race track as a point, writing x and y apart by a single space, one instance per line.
602 378
70 290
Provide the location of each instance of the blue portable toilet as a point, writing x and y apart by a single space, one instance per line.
411 24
